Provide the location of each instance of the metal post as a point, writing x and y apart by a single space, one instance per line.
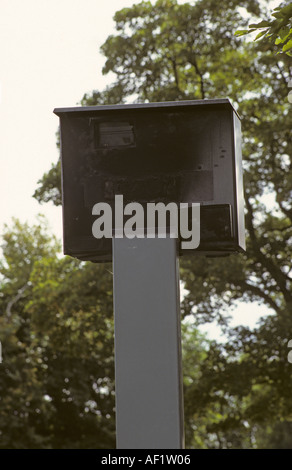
149 399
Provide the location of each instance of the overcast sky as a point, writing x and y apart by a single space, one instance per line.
49 57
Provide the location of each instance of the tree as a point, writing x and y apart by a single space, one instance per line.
171 51
56 379
22 405
71 312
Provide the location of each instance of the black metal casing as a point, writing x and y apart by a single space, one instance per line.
182 151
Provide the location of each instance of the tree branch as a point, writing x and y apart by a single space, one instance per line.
259 293
174 67
15 299
193 61
274 271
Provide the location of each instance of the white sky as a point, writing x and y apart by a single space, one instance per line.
49 57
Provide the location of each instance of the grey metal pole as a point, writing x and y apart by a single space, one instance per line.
149 398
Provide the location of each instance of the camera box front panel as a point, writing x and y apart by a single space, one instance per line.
183 152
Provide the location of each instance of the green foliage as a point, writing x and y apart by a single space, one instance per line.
169 51
278 30
50 186
57 375
56 379
74 342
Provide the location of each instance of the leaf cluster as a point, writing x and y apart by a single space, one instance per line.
278 30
